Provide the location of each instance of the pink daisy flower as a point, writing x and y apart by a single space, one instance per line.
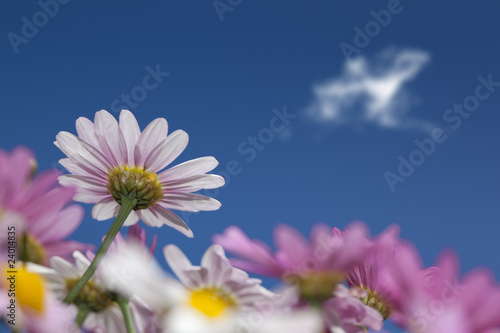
462 304
439 300
373 276
316 266
110 159
136 235
38 205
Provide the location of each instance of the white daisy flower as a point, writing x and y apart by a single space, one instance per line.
110 160
28 303
218 298
212 298
101 302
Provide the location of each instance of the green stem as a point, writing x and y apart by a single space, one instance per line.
83 311
127 204
24 251
127 316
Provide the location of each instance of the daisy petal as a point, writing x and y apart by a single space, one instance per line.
195 183
89 198
110 137
85 185
167 151
81 153
75 169
189 168
132 218
291 243
172 220
150 218
86 131
178 262
217 264
66 222
131 132
105 209
189 202
152 135
20 157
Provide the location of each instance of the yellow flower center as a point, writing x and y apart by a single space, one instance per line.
315 286
211 302
374 300
34 251
135 181
91 296
27 287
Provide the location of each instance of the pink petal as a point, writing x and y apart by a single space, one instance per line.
218 266
110 137
65 249
52 202
189 202
86 131
131 132
273 271
189 168
82 154
75 169
171 219
90 198
85 185
63 225
18 161
194 183
167 151
152 135
237 242
40 185
291 243
354 247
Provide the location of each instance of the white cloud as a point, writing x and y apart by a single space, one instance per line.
371 92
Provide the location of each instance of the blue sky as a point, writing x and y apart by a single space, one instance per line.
225 77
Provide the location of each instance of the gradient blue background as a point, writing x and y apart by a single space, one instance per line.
225 79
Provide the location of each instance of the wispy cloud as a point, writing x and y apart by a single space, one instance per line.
371 92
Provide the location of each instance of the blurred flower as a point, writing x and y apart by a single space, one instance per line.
316 266
214 297
136 237
283 315
109 160
439 300
97 297
218 296
373 276
290 321
36 309
469 304
346 313
38 205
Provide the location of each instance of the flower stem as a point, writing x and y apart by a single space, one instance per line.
124 306
83 311
24 251
127 204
